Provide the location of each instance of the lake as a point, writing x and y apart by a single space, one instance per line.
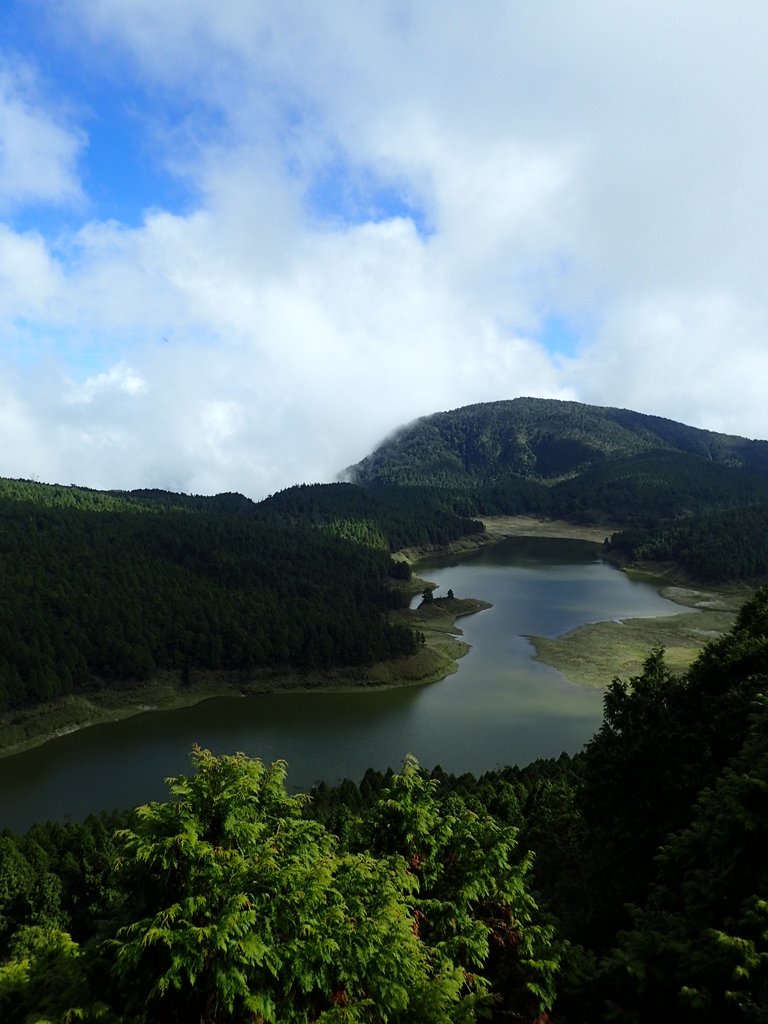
501 707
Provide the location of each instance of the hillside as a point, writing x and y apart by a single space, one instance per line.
103 590
569 459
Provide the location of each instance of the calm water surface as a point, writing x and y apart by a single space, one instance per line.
499 708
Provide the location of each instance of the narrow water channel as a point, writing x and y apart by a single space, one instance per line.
501 707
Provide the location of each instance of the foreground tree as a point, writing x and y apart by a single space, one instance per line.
244 910
698 950
472 902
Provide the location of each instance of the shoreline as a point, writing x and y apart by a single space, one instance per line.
593 654
32 727
438 658
498 528
597 652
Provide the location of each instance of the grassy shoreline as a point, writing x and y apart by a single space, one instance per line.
593 654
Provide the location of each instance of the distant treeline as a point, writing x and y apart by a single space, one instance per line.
627 884
643 489
724 546
388 517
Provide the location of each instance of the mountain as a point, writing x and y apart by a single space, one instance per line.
569 459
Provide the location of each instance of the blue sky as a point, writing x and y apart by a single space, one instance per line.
241 242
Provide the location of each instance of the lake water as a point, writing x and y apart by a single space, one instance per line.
501 707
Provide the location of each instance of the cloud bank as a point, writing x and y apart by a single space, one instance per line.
368 213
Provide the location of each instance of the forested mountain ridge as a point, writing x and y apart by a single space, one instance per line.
570 460
540 439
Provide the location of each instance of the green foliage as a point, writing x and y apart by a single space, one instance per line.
94 598
545 457
241 906
45 980
718 547
663 740
235 904
472 902
30 892
700 945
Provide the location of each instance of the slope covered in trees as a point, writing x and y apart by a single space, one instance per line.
388 517
572 460
626 884
718 547
104 594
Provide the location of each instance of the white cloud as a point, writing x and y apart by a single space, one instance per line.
587 161
30 279
38 154
22 436
700 359
120 379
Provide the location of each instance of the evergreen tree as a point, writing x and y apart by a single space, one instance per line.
241 908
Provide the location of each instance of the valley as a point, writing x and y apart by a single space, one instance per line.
594 574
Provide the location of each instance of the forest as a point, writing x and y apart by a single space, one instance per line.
102 589
571 461
713 548
628 883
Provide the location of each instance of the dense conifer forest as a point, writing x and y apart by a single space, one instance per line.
569 460
101 589
714 548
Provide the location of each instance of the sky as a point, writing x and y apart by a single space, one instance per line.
241 242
